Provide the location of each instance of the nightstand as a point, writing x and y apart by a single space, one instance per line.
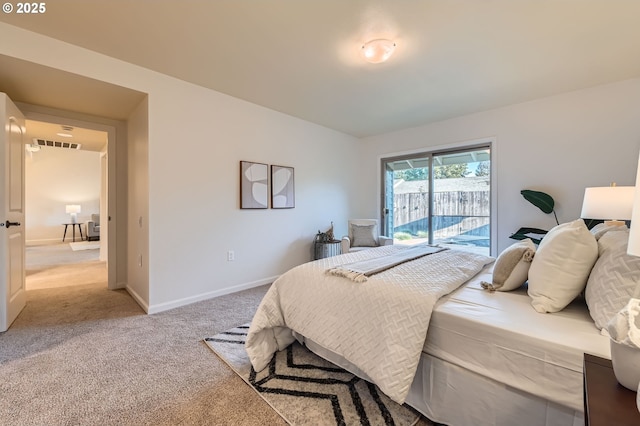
606 402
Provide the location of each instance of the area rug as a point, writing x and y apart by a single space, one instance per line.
85 245
307 390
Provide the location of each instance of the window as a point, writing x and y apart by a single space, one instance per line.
441 197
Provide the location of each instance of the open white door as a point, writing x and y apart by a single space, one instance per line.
12 239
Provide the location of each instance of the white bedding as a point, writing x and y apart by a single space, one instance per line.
379 325
499 335
509 363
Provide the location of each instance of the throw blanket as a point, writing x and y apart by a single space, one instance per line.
380 327
359 271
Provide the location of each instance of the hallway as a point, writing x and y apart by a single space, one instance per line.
57 265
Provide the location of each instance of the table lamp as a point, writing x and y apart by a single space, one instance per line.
613 204
73 210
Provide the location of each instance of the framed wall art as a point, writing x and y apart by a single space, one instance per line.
254 185
282 188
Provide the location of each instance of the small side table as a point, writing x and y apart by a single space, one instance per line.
322 249
606 402
73 229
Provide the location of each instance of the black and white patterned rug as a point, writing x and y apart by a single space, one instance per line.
307 390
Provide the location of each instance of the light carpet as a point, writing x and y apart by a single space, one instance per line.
85 245
308 390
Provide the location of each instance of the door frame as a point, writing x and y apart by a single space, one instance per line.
108 224
438 149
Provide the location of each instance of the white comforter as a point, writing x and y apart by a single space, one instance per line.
379 325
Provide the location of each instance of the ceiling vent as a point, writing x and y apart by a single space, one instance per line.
57 144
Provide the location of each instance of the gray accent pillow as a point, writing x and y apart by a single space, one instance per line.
363 236
602 228
614 279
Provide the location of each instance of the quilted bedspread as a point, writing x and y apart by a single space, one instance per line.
379 325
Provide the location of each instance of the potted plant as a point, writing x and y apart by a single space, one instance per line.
546 204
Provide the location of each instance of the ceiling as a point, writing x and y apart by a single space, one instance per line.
302 58
90 140
36 84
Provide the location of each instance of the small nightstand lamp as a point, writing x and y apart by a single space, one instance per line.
73 210
610 203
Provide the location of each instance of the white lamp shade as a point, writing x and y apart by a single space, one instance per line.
73 208
608 203
634 236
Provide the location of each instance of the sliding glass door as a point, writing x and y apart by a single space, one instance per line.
440 197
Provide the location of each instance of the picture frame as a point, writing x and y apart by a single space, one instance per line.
282 187
254 185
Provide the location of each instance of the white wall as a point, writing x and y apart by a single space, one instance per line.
55 177
138 203
196 139
194 214
558 145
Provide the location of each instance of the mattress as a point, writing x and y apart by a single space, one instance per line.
500 336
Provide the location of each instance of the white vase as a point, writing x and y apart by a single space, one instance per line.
626 365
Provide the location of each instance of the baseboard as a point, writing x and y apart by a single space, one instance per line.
143 304
160 307
45 241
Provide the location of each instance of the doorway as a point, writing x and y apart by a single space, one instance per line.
66 196
439 197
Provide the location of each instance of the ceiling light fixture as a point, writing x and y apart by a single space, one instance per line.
65 135
377 51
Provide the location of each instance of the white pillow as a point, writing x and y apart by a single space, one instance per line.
512 266
614 278
561 266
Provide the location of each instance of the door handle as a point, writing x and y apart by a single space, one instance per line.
10 224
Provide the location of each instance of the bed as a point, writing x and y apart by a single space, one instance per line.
485 358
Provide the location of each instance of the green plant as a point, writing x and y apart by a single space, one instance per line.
546 204
402 236
541 200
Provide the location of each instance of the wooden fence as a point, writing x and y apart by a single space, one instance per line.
455 212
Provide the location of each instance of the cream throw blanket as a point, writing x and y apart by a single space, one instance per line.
379 327
359 271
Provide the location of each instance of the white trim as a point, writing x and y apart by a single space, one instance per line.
45 241
444 147
109 126
154 309
137 298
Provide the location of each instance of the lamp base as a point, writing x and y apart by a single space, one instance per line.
615 223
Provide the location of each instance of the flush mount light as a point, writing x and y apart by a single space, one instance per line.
66 132
377 51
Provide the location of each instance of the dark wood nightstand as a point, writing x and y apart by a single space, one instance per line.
606 402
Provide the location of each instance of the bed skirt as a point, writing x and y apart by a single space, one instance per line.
452 395
449 394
